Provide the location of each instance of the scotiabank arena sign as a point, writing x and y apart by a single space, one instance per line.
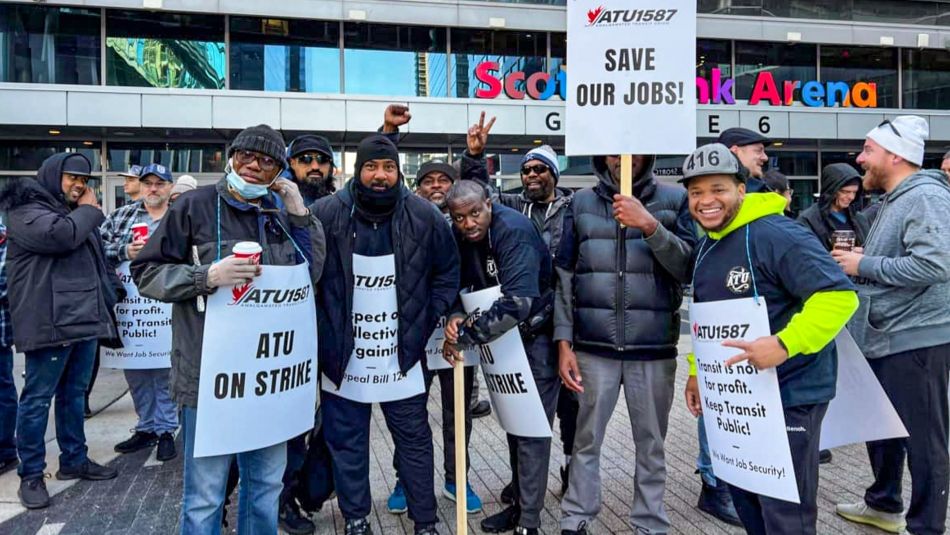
716 90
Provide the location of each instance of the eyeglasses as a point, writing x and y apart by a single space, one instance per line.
890 124
308 159
537 169
245 157
156 184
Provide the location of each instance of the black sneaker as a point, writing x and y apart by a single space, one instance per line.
506 520
565 477
9 464
91 471
481 409
292 521
426 529
357 527
33 494
166 447
139 440
717 501
824 457
508 494
581 529
521 530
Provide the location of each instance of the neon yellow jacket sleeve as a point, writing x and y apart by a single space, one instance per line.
691 359
821 319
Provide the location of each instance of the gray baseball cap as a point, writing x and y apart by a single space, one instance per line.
711 159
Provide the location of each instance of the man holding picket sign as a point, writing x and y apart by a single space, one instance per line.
391 272
763 286
124 234
503 256
238 260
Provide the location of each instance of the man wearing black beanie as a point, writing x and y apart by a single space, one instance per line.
392 270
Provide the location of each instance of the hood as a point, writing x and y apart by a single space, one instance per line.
754 206
920 178
47 184
834 177
644 183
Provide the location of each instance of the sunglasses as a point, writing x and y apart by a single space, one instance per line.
538 169
890 124
308 159
245 157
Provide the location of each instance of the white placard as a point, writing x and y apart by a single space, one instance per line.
632 77
258 376
434 359
511 388
742 406
145 328
372 374
859 399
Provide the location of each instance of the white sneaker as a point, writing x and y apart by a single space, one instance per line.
862 513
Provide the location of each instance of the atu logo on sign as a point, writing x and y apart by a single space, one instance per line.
627 17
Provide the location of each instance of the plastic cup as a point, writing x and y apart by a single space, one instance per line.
140 231
843 240
248 249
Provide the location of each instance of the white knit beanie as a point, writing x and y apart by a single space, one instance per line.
184 183
909 143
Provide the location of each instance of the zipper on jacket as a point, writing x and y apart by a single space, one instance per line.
621 305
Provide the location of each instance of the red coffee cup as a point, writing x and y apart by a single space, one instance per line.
140 230
248 249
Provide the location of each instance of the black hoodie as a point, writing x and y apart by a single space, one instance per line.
818 218
60 289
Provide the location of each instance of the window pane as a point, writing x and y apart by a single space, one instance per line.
783 61
145 49
49 45
285 55
803 194
178 157
794 163
512 51
387 59
852 64
712 54
926 79
558 52
29 155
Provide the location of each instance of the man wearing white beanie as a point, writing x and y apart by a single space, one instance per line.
183 184
903 326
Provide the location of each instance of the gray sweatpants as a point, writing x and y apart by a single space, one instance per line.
648 389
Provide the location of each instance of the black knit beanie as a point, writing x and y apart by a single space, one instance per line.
262 139
440 166
375 147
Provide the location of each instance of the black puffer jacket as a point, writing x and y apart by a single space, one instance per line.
817 217
619 292
427 278
60 289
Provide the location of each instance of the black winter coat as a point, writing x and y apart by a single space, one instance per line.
427 278
61 290
817 217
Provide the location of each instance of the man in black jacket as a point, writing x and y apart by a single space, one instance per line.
61 291
617 321
500 247
375 220
839 207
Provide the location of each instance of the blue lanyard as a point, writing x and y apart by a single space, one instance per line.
279 224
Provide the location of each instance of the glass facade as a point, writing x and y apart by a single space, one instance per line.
509 51
854 64
27 156
713 54
933 12
145 49
926 79
785 62
395 60
44 45
285 55
177 157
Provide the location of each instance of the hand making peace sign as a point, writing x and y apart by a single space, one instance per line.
478 135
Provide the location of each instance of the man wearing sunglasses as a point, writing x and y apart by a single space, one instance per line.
158 415
903 326
250 203
311 165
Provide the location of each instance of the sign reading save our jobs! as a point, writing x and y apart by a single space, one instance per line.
632 83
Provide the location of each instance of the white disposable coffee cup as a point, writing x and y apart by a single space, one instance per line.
248 249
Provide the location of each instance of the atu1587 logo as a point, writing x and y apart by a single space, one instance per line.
736 331
617 17
247 294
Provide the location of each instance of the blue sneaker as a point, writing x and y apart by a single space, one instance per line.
397 500
472 501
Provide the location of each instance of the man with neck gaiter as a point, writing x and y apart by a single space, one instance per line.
392 271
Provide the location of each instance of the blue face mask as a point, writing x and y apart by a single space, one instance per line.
243 188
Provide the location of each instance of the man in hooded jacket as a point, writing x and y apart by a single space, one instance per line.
61 291
617 322
375 215
838 207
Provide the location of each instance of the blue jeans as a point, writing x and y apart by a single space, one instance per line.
154 406
206 478
62 371
8 406
704 460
